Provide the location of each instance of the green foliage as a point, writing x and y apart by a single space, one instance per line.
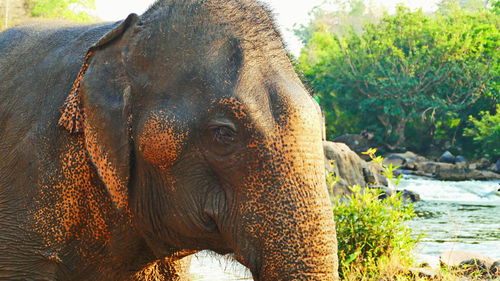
331 178
495 7
371 231
411 78
388 170
470 5
486 131
74 10
349 15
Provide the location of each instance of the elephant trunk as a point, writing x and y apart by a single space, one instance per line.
302 246
292 219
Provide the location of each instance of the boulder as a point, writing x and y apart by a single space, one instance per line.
447 157
405 160
395 160
450 172
480 164
444 171
358 142
351 170
409 196
386 192
473 266
448 167
427 168
495 268
460 159
460 259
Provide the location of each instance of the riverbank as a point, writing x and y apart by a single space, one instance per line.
447 167
442 165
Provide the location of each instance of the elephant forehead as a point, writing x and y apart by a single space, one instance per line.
280 105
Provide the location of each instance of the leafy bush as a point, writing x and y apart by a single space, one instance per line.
73 10
411 78
372 233
486 132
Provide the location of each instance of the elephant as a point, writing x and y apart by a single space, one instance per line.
126 147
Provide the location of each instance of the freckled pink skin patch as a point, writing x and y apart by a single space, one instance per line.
161 142
116 185
72 117
78 208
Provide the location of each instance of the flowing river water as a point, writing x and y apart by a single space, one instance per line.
452 216
456 216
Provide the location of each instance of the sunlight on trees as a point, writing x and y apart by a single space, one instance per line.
74 10
412 78
13 12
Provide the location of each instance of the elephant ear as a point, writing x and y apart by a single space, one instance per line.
97 106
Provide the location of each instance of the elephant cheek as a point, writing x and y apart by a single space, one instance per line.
162 140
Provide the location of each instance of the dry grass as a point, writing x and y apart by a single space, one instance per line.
394 268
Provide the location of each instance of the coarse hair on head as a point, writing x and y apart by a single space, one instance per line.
248 21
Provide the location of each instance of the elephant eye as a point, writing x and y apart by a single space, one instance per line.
224 134
221 136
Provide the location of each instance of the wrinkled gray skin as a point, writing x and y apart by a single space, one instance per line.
125 147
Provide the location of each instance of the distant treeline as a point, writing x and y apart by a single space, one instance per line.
419 81
13 12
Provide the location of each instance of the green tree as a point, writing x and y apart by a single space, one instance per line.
11 13
470 5
495 7
486 132
348 15
74 10
411 72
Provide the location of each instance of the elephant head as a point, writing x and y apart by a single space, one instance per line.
199 127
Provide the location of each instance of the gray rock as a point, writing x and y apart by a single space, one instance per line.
444 171
351 170
386 192
457 258
450 172
473 266
395 160
358 142
409 196
405 160
483 163
447 157
456 170
428 168
460 159
495 268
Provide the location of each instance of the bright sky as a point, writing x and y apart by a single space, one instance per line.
288 12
